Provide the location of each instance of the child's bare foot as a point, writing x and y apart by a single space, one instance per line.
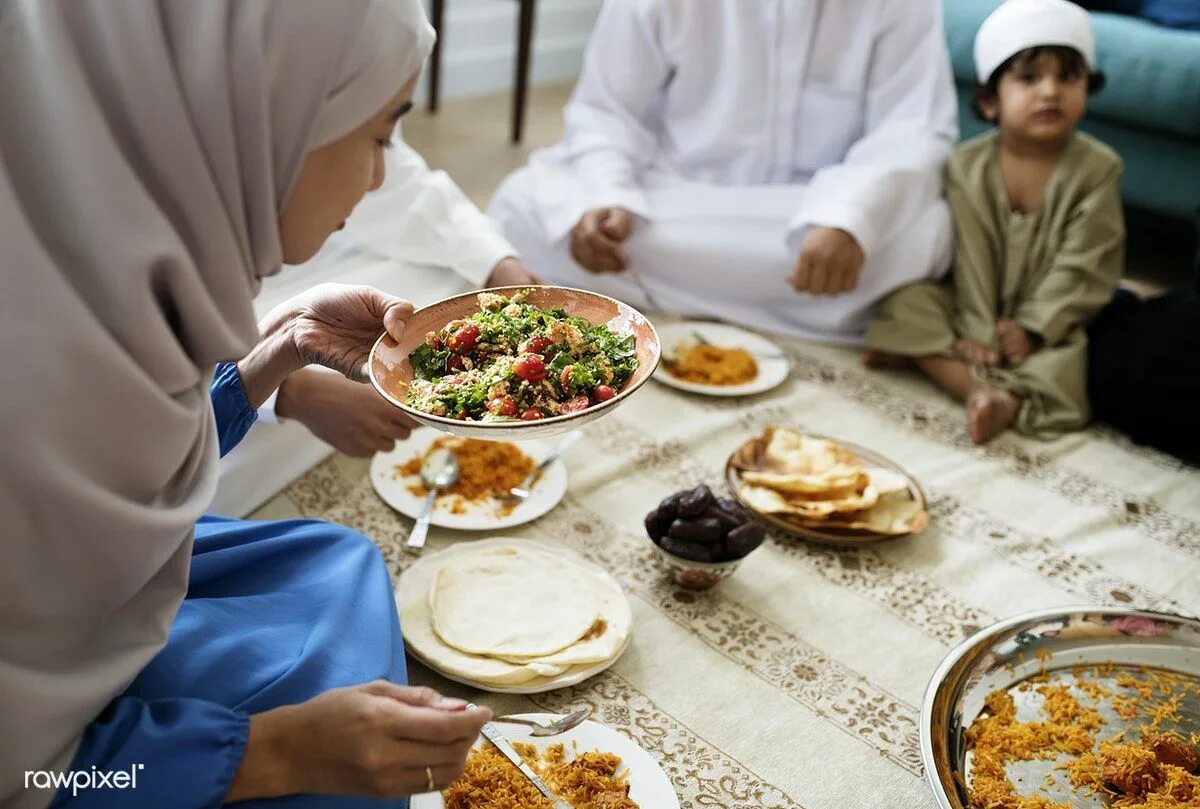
990 411
874 358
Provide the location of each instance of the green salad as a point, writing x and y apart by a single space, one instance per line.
513 360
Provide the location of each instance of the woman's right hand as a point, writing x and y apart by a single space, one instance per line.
373 740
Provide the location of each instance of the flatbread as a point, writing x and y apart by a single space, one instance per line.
513 601
838 477
605 638
895 514
886 481
771 501
420 637
796 453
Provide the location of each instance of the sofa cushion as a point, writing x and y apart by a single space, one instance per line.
1171 13
1153 72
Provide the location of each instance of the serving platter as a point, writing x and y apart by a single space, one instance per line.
827 535
1054 644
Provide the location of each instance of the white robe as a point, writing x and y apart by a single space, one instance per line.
418 237
731 126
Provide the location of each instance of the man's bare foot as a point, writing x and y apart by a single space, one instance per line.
874 358
990 411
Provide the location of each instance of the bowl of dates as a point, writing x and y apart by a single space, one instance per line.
700 539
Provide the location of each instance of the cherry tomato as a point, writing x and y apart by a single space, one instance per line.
603 393
463 341
538 345
565 379
503 406
454 364
533 414
530 367
575 404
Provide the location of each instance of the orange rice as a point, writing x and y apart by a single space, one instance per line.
486 469
996 739
587 781
714 365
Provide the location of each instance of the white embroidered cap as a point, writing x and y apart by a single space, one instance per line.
1020 24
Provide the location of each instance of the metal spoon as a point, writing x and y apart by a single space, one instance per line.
560 725
519 494
438 471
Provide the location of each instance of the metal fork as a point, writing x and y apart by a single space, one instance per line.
519 494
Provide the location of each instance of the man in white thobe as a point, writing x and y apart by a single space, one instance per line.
417 236
771 162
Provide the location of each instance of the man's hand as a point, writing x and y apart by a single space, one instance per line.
973 352
510 272
349 415
1016 343
829 264
596 240
379 740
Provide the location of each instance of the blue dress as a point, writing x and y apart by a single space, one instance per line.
275 613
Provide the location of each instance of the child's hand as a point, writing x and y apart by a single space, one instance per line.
974 352
1016 343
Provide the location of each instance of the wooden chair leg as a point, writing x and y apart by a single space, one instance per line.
524 52
435 58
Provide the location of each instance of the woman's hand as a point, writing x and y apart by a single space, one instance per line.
351 416
333 325
374 740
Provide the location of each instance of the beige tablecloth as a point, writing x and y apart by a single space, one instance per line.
798 682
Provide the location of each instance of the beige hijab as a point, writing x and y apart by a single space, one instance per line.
146 150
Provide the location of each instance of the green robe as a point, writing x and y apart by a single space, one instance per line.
1050 271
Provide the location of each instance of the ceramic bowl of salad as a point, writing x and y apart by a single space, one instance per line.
516 362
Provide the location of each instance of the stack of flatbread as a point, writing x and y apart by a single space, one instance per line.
816 483
506 615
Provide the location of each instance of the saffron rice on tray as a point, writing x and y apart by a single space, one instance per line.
486 469
587 781
1150 769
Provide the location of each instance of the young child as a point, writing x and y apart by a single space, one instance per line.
1040 235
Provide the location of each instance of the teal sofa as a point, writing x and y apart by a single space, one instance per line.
1149 111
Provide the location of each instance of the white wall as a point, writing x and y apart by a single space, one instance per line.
480 44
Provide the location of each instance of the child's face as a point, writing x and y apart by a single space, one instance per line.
1039 99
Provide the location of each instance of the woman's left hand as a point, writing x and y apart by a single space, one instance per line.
335 325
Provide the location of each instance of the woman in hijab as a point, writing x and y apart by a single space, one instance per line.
157 160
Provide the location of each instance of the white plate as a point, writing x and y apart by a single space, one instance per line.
414 584
773 365
648 784
482 516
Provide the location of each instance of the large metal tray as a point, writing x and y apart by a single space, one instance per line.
1054 642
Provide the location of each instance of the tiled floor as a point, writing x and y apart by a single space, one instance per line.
468 138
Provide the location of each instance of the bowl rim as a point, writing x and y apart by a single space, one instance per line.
517 424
